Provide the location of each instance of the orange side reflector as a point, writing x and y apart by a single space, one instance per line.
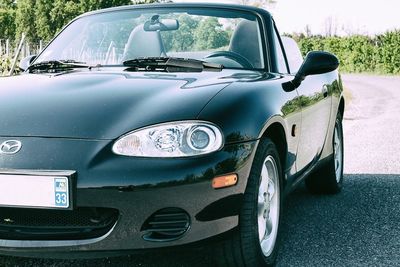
224 181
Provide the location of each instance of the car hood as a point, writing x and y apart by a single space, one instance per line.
104 104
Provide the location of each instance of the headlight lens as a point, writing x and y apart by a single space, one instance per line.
176 139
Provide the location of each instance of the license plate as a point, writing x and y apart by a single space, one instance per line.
35 191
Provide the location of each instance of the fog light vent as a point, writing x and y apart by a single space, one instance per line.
166 225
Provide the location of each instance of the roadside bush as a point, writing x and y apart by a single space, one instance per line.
388 55
5 65
380 54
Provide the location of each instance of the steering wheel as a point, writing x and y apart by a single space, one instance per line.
234 56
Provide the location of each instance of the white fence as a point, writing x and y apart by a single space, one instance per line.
12 52
8 48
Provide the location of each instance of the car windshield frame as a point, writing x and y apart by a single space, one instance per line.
211 11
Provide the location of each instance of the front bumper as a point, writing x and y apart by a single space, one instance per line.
137 188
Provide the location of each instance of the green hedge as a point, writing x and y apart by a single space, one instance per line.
5 66
379 54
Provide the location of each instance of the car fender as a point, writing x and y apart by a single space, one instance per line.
246 111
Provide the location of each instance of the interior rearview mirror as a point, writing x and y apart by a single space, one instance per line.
156 24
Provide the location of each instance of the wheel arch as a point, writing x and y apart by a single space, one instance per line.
276 131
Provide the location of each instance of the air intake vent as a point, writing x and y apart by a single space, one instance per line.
166 225
41 224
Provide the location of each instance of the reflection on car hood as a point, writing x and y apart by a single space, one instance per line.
104 105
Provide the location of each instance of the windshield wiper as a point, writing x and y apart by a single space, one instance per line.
170 64
55 65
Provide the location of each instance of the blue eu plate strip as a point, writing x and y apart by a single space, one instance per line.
61 197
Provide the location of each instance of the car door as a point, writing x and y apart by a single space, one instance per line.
315 102
316 108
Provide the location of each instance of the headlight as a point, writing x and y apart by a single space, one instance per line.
175 139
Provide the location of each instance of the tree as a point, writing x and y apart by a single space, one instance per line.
259 3
24 20
42 19
62 12
330 26
182 39
210 35
7 19
89 5
44 26
7 4
308 30
138 2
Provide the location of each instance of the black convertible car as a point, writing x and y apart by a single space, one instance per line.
163 125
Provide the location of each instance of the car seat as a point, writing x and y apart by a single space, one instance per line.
246 42
143 43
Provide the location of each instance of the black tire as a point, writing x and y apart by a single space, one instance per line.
326 179
243 248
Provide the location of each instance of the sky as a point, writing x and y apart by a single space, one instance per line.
341 17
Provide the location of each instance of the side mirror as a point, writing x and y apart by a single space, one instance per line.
26 62
316 62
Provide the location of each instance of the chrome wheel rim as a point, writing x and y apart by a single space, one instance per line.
338 153
268 206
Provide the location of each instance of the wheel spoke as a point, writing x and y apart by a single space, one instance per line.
260 208
266 243
262 225
271 189
269 227
268 206
264 178
338 153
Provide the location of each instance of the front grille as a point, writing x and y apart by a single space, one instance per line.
39 224
166 225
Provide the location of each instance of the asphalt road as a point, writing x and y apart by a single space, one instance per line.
361 225
358 227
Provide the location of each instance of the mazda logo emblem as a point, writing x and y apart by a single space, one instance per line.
10 147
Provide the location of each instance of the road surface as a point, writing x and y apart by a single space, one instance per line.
361 225
358 227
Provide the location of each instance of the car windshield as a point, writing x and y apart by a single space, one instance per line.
229 38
